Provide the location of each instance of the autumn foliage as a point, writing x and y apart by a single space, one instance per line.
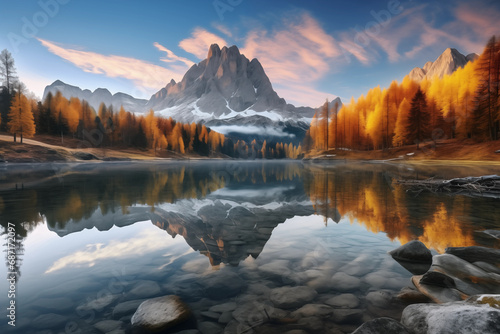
462 105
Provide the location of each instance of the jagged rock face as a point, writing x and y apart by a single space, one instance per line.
95 98
447 63
226 82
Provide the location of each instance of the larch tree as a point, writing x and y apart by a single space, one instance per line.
21 119
400 132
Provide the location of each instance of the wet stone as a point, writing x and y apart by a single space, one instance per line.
413 251
106 326
346 300
49 321
226 307
310 310
291 297
207 327
347 316
382 325
144 289
161 313
210 315
343 282
225 317
379 298
126 308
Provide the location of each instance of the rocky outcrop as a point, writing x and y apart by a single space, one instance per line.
452 318
447 63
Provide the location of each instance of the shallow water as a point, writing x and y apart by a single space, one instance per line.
94 240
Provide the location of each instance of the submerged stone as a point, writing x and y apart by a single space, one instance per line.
160 313
291 297
381 326
346 300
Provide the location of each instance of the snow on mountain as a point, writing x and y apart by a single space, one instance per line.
448 62
95 98
226 91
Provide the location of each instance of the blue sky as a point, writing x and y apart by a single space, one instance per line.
310 50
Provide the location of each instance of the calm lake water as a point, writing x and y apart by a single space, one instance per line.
95 240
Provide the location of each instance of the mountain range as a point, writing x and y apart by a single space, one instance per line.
234 96
447 63
226 91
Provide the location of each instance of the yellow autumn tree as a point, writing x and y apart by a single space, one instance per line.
21 119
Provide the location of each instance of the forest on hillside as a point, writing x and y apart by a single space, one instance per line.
24 116
462 105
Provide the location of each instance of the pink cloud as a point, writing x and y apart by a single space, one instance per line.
298 54
142 73
200 41
172 57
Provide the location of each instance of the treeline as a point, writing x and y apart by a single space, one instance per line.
366 197
462 105
59 116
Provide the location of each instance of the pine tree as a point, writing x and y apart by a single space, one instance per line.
418 119
21 117
486 111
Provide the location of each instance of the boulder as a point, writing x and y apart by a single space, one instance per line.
413 251
412 296
476 253
451 318
381 326
160 313
292 297
438 294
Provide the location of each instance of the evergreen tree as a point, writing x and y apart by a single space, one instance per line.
418 119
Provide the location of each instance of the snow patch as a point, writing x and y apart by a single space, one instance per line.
251 129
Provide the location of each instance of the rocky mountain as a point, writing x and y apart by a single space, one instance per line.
448 62
226 91
232 95
98 96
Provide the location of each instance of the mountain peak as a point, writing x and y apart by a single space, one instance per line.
447 63
213 51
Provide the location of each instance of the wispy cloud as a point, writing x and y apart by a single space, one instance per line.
142 73
200 41
296 54
172 57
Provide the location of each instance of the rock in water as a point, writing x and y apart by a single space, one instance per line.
476 253
438 294
451 318
413 251
381 325
291 297
160 313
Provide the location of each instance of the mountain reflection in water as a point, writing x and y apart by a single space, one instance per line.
228 210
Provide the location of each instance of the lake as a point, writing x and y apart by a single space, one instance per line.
249 246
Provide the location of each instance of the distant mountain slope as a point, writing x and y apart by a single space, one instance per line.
96 97
226 91
448 62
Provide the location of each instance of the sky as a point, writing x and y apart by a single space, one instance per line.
311 50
